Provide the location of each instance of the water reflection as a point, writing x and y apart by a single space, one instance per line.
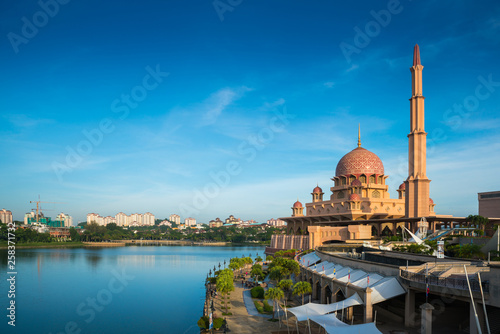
146 261
93 259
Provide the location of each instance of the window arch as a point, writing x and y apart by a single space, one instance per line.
362 178
376 194
372 179
340 194
352 178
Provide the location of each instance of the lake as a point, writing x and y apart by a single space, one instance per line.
133 289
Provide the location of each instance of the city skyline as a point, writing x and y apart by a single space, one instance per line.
170 107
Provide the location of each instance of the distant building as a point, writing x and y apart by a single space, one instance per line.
148 219
109 220
6 216
66 220
175 218
121 219
62 220
166 223
216 223
232 220
489 204
190 221
94 217
276 222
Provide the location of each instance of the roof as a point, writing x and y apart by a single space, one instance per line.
359 161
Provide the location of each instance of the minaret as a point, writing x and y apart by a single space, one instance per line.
417 183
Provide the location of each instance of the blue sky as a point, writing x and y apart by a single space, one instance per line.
208 109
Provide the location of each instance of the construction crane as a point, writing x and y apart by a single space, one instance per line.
38 208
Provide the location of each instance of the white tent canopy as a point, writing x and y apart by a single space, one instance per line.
310 259
386 288
362 282
334 326
305 312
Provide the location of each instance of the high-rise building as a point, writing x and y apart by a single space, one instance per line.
148 219
94 217
66 220
190 221
175 218
489 204
121 219
6 216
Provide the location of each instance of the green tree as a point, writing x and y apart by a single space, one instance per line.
275 294
257 272
302 288
286 285
74 235
225 284
479 221
291 267
276 273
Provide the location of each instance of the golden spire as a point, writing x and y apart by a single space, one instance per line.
359 135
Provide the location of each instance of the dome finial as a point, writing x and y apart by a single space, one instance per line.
359 135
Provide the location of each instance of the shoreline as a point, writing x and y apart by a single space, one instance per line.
125 243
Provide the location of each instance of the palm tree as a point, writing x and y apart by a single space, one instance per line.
225 283
302 288
275 294
286 285
276 273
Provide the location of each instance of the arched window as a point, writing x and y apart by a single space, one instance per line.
362 178
340 194
343 181
352 178
372 179
376 194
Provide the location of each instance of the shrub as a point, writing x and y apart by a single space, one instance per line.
203 323
258 306
257 292
218 323
267 307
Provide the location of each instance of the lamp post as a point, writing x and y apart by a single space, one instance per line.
224 264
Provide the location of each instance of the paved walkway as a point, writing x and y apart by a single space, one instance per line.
245 318
250 306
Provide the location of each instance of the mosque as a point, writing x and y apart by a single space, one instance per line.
359 206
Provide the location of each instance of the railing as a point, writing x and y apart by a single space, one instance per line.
448 282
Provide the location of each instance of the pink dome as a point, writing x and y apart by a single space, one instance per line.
402 186
431 201
318 190
359 161
354 197
356 183
297 205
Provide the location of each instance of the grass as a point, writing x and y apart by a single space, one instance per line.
4 244
263 307
227 313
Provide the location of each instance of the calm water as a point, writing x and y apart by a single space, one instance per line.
111 290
